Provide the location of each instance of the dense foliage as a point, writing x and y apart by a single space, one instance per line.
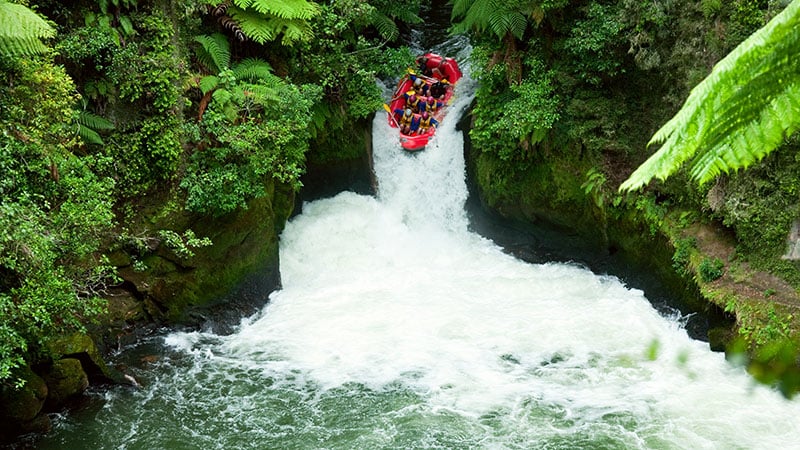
54 210
204 103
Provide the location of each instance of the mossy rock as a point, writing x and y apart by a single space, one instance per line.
244 243
65 378
23 404
82 348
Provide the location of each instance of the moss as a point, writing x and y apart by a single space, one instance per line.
24 403
65 378
167 282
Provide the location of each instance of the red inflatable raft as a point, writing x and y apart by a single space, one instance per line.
438 69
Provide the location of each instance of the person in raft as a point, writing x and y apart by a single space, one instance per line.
439 88
424 67
426 122
429 104
405 119
412 100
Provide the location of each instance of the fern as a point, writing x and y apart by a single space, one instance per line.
260 93
265 20
294 31
214 53
94 121
22 31
254 69
254 25
88 123
208 84
284 9
740 113
261 28
385 25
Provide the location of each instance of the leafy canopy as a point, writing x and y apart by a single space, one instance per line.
740 113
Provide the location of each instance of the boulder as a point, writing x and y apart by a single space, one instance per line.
24 403
81 347
65 378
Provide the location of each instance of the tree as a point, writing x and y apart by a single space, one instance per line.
22 31
737 115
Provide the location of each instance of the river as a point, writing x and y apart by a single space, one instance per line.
399 328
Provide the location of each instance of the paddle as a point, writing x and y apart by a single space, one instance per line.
391 115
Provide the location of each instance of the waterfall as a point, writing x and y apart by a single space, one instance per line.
398 328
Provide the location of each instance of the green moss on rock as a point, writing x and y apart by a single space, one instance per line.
24 403
65 378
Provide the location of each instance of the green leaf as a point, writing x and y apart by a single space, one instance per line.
740 113
22 31
215 52
208 83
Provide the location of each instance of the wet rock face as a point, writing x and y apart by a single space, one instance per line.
793 243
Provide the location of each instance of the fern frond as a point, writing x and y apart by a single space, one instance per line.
214 52
88 123
89 135
22 31
385 25
460 8
94 121
259 93
295 31
254 69
740 113
284 9
517 24
208 83
254 25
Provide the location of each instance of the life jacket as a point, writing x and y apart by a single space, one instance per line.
432 106
424 124
405 119
409 103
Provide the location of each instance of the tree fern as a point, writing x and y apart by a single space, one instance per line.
22 31
208 83
265 20
254 69
741 112
214 52
285 9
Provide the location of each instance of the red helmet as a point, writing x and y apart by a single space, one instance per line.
430 99
425 115
412 98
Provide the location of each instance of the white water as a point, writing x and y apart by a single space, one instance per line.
399 328
395 290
